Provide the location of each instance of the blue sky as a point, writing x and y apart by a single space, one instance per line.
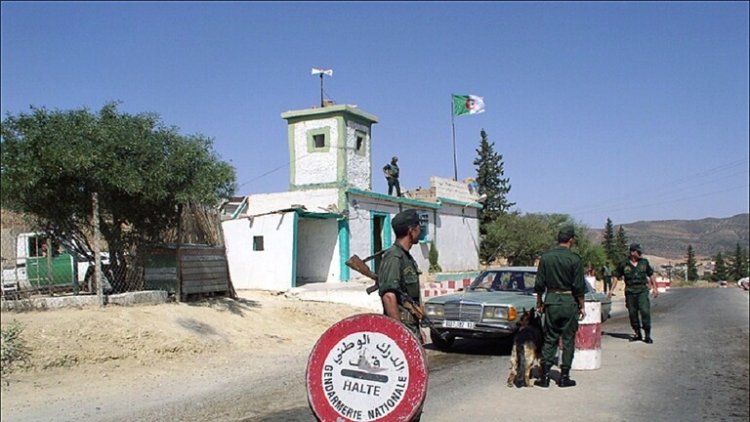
628 111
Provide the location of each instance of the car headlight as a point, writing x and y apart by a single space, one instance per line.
507 313
434 310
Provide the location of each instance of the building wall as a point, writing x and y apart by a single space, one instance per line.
270 269
314 168
317 251
313 200
361 210
359 170
457 239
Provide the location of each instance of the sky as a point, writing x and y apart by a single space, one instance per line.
632 111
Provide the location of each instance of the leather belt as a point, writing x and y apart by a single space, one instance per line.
560 291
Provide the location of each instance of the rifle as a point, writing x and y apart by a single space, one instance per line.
358 264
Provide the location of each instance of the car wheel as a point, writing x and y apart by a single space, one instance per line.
442 343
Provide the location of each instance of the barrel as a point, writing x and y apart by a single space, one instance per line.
588 344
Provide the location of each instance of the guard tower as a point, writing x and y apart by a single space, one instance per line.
330 147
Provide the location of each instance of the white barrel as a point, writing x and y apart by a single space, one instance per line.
588 345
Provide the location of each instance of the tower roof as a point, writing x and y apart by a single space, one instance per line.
319 112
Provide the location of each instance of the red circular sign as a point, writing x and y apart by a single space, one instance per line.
366 367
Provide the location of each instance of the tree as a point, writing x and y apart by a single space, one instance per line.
519 238
621 246
491 183
142 171
736 268
608 242
720 268
692 269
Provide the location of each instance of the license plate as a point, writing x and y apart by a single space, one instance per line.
458 324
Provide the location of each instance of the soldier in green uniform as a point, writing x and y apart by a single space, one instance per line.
638 276
560 279
607 275
398 274
391 175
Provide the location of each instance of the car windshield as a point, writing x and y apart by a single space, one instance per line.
505 280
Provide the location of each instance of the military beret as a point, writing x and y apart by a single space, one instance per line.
636 247
567 230
405 219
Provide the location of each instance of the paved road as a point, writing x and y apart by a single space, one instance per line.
697 369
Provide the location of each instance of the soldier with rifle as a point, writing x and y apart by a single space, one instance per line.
398 278
398 275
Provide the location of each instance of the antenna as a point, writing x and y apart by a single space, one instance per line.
321 72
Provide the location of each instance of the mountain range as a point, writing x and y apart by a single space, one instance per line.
670 238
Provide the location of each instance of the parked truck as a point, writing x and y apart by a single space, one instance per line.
43 263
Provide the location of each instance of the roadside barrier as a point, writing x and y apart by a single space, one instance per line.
663 284
588 343
444 287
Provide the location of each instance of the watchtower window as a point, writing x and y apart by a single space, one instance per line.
360 142
319 141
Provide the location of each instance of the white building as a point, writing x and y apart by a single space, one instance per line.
277 241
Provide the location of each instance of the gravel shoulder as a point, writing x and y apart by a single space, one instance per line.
100 364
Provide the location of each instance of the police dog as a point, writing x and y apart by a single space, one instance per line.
527 349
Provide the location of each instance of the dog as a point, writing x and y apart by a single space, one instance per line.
527 349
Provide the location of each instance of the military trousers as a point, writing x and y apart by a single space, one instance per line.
639 308
560 322
607 283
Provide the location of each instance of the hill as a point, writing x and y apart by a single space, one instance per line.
670 238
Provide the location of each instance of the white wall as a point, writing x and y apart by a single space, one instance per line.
360 229
270 269
359 171
313 200
317 251
315 168
457 239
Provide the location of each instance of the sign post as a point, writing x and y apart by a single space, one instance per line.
367 367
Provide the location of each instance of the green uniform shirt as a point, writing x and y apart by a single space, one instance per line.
398 272
393 171
560 269
636 276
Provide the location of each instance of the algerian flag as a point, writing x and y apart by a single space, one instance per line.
467 104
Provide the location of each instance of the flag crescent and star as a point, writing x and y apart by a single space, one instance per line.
467 104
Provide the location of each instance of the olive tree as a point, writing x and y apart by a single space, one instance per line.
140 169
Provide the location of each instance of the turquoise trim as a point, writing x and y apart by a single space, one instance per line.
472 204
343 249
239 209
386 234
294 249
396 199
387 238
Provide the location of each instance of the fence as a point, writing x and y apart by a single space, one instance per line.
32 270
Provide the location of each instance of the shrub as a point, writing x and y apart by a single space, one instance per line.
433 257
12 347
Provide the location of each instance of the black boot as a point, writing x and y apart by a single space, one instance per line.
565 380
637 336
648 338
544 380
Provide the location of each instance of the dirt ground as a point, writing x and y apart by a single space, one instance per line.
128 342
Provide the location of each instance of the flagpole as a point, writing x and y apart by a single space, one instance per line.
453 126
